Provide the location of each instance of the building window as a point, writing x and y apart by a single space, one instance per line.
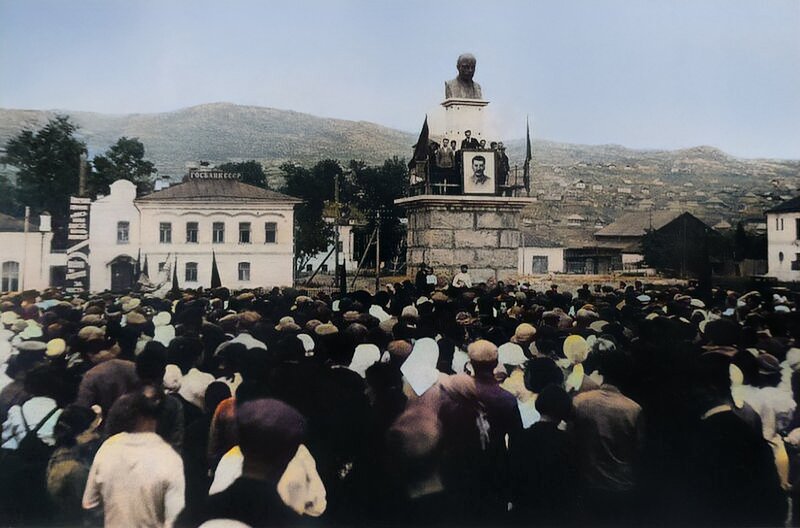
123 229
309 267
191 232
10 276
270 233
780 256
165 233
781 224
161 266
218 233
244 232
324 268
244 271
191 272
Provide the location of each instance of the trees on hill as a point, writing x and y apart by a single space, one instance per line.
124 160
249 171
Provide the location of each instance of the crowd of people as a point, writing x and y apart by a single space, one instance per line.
444 160
481 405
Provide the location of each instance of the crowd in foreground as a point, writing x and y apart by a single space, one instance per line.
488 405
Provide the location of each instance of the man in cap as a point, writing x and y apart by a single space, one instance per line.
462 279
270 433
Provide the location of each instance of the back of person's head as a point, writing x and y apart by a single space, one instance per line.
73 421
614 365
482 356
414 443
130 410
216 392
554 403
541 372
270 432
42 380
184 352
151 363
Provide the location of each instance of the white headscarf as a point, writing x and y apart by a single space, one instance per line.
364 357
419 368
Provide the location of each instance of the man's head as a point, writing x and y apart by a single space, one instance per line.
468 134
483 356
445 142
466 66
482 143
500 145
493 145
269 434
464 268
478 165
453 144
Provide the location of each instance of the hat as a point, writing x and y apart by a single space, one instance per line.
135 318
439 296
387 325
31 347
326 329
410 312
162 319
9 317
464 319
399 348
172 378
511 354
575 349
269 429
31 331
524 333
598 326
644 299
308 342
130 304
56 347
284 322
350 316
697 303
91 333
768 364
482 351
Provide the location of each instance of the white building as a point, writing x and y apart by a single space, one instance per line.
539 256
783 241
25 259
250 230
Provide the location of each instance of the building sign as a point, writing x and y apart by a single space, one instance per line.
78 249
212 174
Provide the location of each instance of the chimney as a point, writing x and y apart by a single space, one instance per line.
44 222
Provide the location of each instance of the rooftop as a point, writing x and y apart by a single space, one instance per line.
790 206
637 223
220 190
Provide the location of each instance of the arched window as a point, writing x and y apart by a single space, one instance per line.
9 276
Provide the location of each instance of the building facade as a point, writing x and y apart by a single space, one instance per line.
249 230
783 241
25 258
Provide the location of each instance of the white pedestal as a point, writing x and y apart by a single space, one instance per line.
465 114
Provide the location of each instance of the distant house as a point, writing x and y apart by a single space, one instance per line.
25 260
783 240
539 255
623 190
575 220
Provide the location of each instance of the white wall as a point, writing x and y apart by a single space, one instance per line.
782 237
270 264
346 255
555 259
31 250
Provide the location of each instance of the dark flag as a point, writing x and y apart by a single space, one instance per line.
216 282
526 173
145 269
137 270
175 286
421 148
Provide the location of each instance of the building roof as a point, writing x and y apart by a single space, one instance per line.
637 223
224 190
15 225
790 206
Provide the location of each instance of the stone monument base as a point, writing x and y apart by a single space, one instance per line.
480 231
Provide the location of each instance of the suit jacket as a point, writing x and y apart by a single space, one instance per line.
470 143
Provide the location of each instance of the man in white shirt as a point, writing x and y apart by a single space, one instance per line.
136 476
462 279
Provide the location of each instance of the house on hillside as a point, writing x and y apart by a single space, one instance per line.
783 240
540 255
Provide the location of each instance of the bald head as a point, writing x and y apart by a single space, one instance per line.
466 66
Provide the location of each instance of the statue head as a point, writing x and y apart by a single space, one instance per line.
466 66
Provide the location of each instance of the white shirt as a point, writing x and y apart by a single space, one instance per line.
35 411
462 280
138 478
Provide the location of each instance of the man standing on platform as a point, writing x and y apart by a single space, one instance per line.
469 142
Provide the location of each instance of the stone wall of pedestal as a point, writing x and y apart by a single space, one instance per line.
465 114
480 231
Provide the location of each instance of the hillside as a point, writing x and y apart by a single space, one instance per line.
221 132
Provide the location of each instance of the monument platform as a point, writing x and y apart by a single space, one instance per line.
480 231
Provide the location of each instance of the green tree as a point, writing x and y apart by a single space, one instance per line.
123 161
47 163
314 187
8 202
376 188
250 172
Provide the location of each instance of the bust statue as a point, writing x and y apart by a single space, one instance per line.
463 87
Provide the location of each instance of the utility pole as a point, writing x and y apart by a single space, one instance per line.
378 253
336 230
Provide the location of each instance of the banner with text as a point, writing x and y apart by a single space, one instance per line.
78 249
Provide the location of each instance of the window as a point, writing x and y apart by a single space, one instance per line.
191 272
191 232
244 232
123 229
161 266
270 233
244 271
165 233
780 256
309 267
218 233
781 224
797 228
324 268
10 276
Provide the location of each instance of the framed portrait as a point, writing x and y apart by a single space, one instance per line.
478 172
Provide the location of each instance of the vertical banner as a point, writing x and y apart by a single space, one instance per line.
78 249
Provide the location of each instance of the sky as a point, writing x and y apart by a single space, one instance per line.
639 73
